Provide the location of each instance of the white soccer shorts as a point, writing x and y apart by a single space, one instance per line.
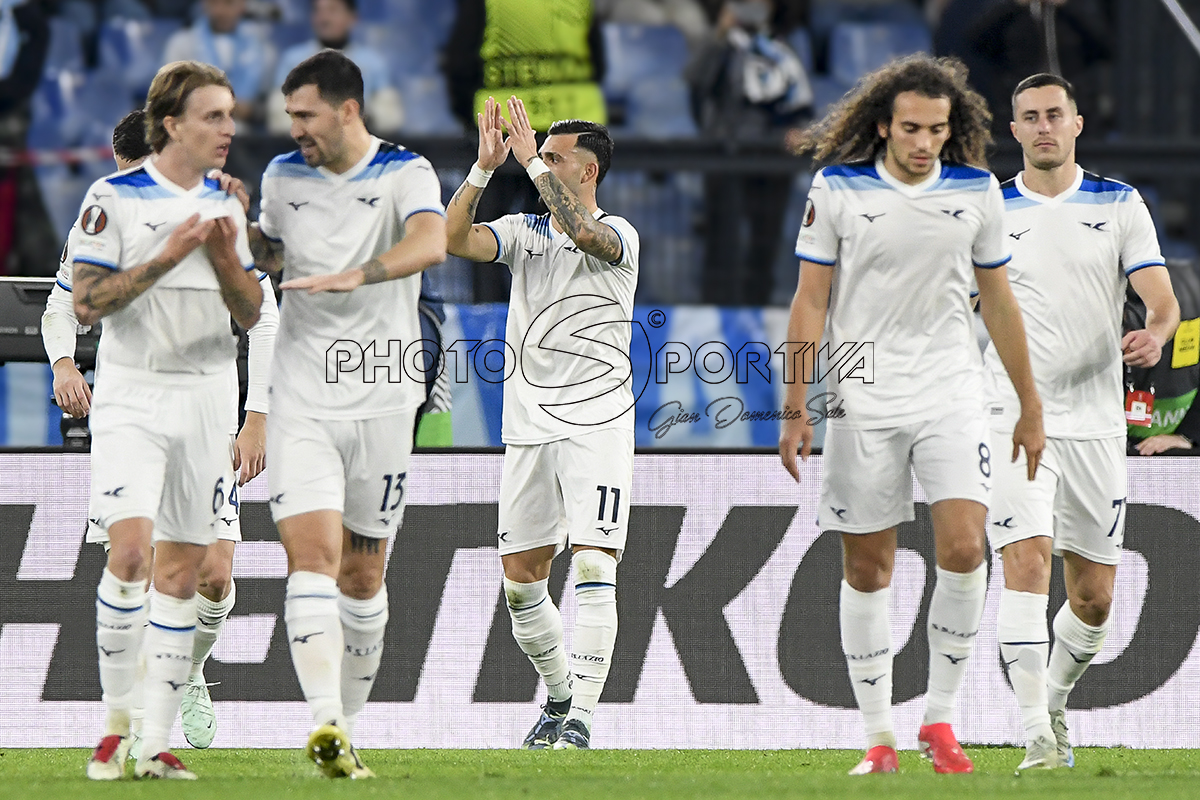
866 482
355 467
574 491
1077 497
161 450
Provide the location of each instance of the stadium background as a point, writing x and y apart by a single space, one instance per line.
727 603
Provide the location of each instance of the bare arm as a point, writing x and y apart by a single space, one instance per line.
589 234
268 255
423 245
463 238
1002 317
1143 348
806 323
239 286
99 292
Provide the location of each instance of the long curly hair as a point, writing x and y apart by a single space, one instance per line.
849 133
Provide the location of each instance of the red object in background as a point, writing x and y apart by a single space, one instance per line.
1139 408
8 215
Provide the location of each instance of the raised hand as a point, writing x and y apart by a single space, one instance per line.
493 147
520 133
190 234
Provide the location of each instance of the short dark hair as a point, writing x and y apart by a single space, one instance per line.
336 77
129 137
1044 79
592 136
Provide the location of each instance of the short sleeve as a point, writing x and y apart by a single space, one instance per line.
267 212
990 249
97 237
1139 241
630 242
418 189
505 231
818 240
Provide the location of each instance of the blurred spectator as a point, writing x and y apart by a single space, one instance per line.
686 15
1071 38
1174 380
748 86
825 14
333 24
553 61
26 237
223 38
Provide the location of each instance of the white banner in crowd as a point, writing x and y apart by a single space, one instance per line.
728 638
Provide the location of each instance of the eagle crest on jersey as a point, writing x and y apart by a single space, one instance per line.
93 220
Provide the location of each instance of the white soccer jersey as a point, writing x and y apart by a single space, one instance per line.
339 355
59 324
903 258
569 327
1071 256
180 324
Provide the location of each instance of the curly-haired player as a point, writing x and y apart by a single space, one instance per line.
897 227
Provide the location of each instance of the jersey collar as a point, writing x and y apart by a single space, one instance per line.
166 183
1041 198
363 163
935 175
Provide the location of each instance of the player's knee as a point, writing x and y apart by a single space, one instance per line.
867 571
1092 604
129 562
1026 568
963 554
214 586
360 584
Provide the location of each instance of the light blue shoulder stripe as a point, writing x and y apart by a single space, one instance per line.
290 169
858 182
1104 198
151 191
1018 202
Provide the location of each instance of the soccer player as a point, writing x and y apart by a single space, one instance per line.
895 229
216 593
163 256
358 219
563 446
1076 239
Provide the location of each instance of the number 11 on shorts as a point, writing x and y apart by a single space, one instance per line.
616 502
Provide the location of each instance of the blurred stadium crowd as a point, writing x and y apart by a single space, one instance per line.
721 77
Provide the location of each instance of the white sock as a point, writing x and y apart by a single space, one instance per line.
168 662
595 630
210 618
363 623
1024 646
537 628
315 639
867 645
1075 645
954 614
120 624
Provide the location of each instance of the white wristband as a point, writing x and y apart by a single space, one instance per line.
536 167
478 176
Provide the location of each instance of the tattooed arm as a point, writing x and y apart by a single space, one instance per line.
423 245
463 238
99 291
589 234
240 288
268 255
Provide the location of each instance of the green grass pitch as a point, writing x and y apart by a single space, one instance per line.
1100 774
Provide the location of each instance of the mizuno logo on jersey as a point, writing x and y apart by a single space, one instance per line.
571 248
114 492
1004 523
956 213
98 196
296 206
841 512
1096 226
605 531
1018 236
277 499
371 201
154 227
872 217
533 254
